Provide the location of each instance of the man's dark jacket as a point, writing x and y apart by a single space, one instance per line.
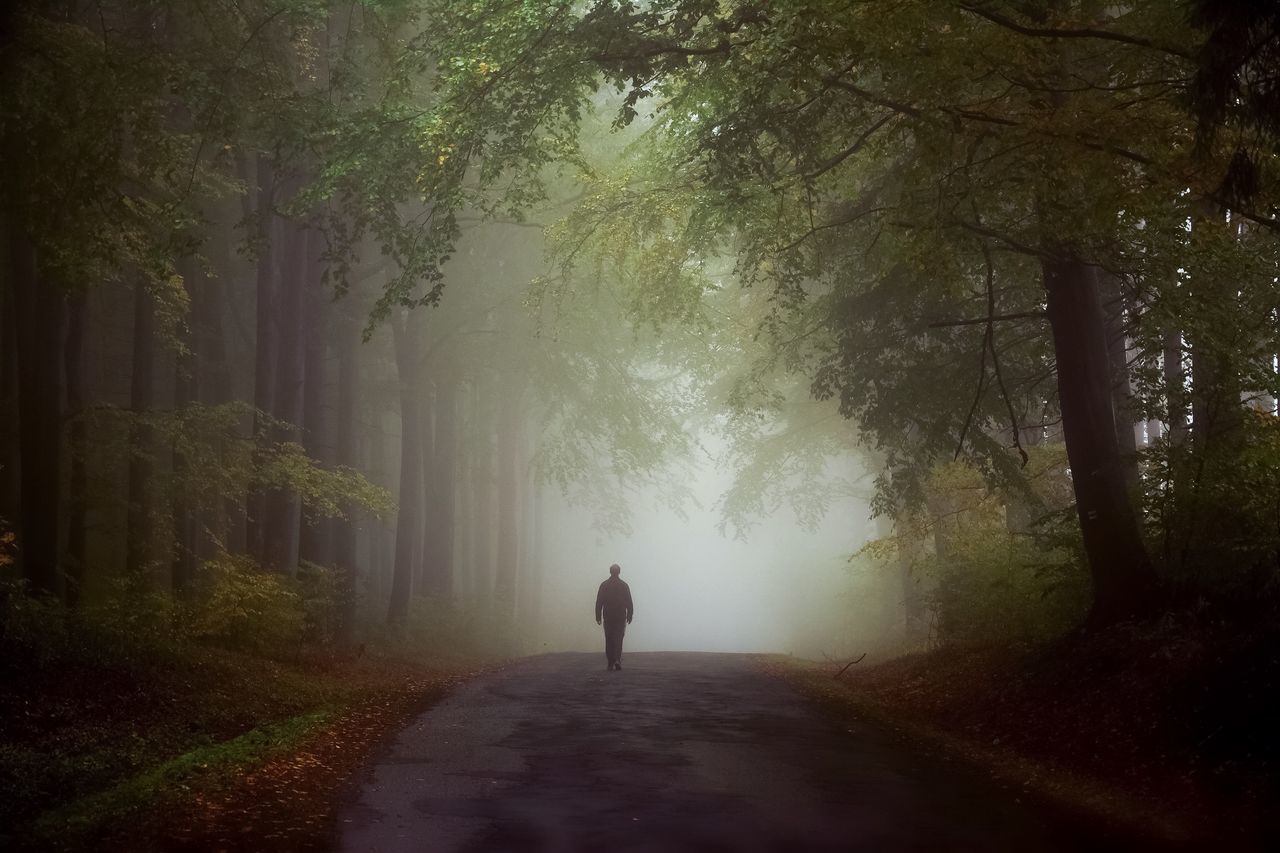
613 601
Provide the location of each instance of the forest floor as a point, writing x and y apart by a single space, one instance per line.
1169 727
195 747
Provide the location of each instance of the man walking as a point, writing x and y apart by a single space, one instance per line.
613 606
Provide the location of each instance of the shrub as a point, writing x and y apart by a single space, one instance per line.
997 577
245 608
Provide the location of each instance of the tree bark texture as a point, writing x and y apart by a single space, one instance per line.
484 485
284 511
409 520
138 525
186 391
38 310
1123 579
10 452
316 540
214 388
345 541
440 517
77 449
508 482
264 341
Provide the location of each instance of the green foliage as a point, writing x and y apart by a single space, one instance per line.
1214 513
125 625
243 607
76 824
993 581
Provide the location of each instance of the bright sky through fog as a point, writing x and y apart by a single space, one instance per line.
694 588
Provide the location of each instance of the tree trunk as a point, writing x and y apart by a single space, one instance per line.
345 452
284 510
465 537
141 501
1175 387
509 435
316 544
226 525
10 452
915 625
1123 579
38 314
186 391
440 520
264 342
424 552
409 519
484 486
77 449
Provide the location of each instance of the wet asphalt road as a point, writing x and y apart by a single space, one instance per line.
680 751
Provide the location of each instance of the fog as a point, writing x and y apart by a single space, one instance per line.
777 588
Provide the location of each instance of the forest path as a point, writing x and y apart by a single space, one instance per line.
679 751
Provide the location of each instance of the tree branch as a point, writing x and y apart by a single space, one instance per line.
995 357
1073 32
994 318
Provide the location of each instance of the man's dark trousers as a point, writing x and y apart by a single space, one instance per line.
614 628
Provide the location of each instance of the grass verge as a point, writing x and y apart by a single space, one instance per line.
193 747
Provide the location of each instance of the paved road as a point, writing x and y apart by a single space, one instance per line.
677 752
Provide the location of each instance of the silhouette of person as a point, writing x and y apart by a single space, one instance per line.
614 610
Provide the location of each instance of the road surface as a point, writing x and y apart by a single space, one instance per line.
679 751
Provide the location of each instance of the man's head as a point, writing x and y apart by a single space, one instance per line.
615 570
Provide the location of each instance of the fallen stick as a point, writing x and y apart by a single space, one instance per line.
849 664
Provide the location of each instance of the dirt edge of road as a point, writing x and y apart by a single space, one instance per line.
1137 812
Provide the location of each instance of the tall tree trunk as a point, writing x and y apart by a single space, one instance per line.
263 210
531 578
380 541
509 436
484 485
226 526
465 537
138 526
316 544
10 452
186 391
345 452
77 449
280 539
915 624
1175 387
424 552
38 314
409 519
441 517
1123 579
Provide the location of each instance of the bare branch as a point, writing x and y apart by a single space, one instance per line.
994 318
849 664
1073 32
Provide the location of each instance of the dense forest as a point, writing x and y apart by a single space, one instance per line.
321 319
